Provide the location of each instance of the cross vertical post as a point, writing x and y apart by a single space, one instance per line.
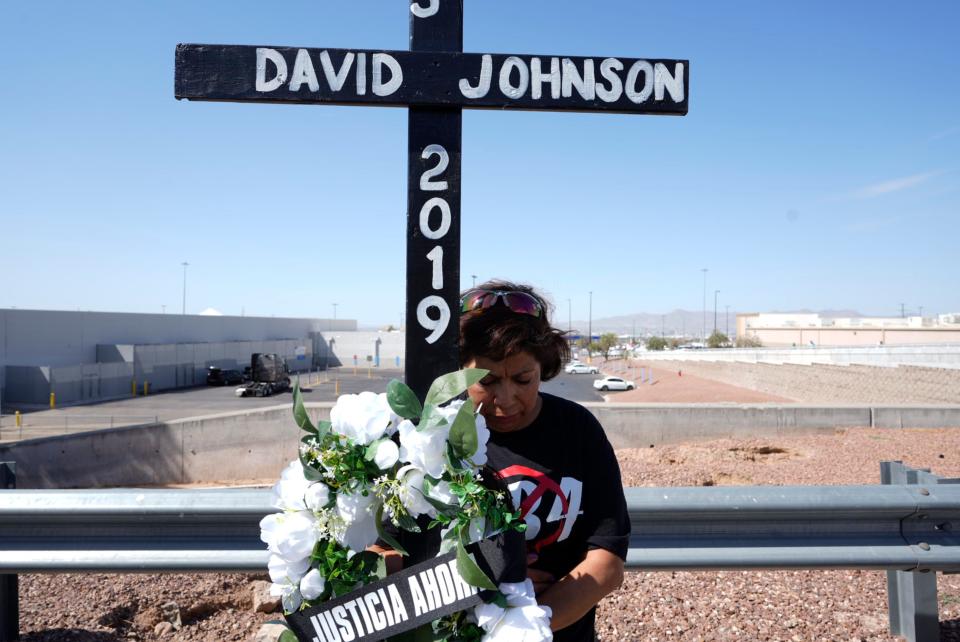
433 209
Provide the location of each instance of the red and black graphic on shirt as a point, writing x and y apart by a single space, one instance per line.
548 508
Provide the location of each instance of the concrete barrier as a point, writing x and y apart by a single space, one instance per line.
639 425
916 416
257 444
254 444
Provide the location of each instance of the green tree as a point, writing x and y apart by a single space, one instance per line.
718 340
748 342
607 341
656 343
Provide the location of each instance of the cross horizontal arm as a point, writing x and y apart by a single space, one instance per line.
439 79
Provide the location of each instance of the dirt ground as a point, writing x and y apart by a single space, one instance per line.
676 386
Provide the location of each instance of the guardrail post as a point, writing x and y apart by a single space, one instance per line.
9 583
911 595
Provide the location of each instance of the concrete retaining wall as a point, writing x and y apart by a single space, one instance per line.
227 447
257 444
635 425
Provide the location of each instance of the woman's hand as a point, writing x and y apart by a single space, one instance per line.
600 573
542 580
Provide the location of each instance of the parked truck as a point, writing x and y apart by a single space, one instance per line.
268 376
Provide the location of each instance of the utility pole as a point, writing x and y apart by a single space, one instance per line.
903 313
569 316
727 320
590 323
474 277
703 333
716 293
184 264
335 311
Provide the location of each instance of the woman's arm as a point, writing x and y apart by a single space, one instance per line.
600 573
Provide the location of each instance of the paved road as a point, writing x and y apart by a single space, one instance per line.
196 402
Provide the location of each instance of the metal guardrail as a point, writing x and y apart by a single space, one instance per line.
767 527
913 525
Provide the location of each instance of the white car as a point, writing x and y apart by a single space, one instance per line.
613 383
581 368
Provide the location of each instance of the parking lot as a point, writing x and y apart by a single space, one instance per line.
211 400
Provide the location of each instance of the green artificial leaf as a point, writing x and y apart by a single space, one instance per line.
463 432
500 600
299 412
453 460
287 636
323 427
468 569
446 387
431 418
371 450
408 523
449 510
385 536
403 400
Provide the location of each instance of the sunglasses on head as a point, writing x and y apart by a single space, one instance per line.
519 302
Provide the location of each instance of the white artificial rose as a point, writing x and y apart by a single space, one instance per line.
479 458
317 496
312 584
523 620
386 455
358 513
441 492
283 571
411 491
287 494
424 448
289 595
394 417
290 535
362 418
285 577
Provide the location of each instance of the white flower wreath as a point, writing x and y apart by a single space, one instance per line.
351 475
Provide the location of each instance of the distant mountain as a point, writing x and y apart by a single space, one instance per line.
676 323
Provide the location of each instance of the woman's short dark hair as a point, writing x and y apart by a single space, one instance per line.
497 332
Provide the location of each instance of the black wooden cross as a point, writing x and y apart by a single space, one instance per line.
435 79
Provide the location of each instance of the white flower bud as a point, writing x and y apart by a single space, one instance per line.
317 496
312 584
387 454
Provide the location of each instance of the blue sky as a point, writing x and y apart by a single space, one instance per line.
817 167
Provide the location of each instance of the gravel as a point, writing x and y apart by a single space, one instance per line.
770 605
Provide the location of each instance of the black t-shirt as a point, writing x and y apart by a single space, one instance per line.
564 478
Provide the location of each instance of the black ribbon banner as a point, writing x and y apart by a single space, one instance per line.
411 597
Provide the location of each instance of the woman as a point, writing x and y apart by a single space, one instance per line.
552 453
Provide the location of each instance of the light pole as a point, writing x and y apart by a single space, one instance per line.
715 294
474 277
727 320
590 323
569 317
184 264
335 311
703 333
